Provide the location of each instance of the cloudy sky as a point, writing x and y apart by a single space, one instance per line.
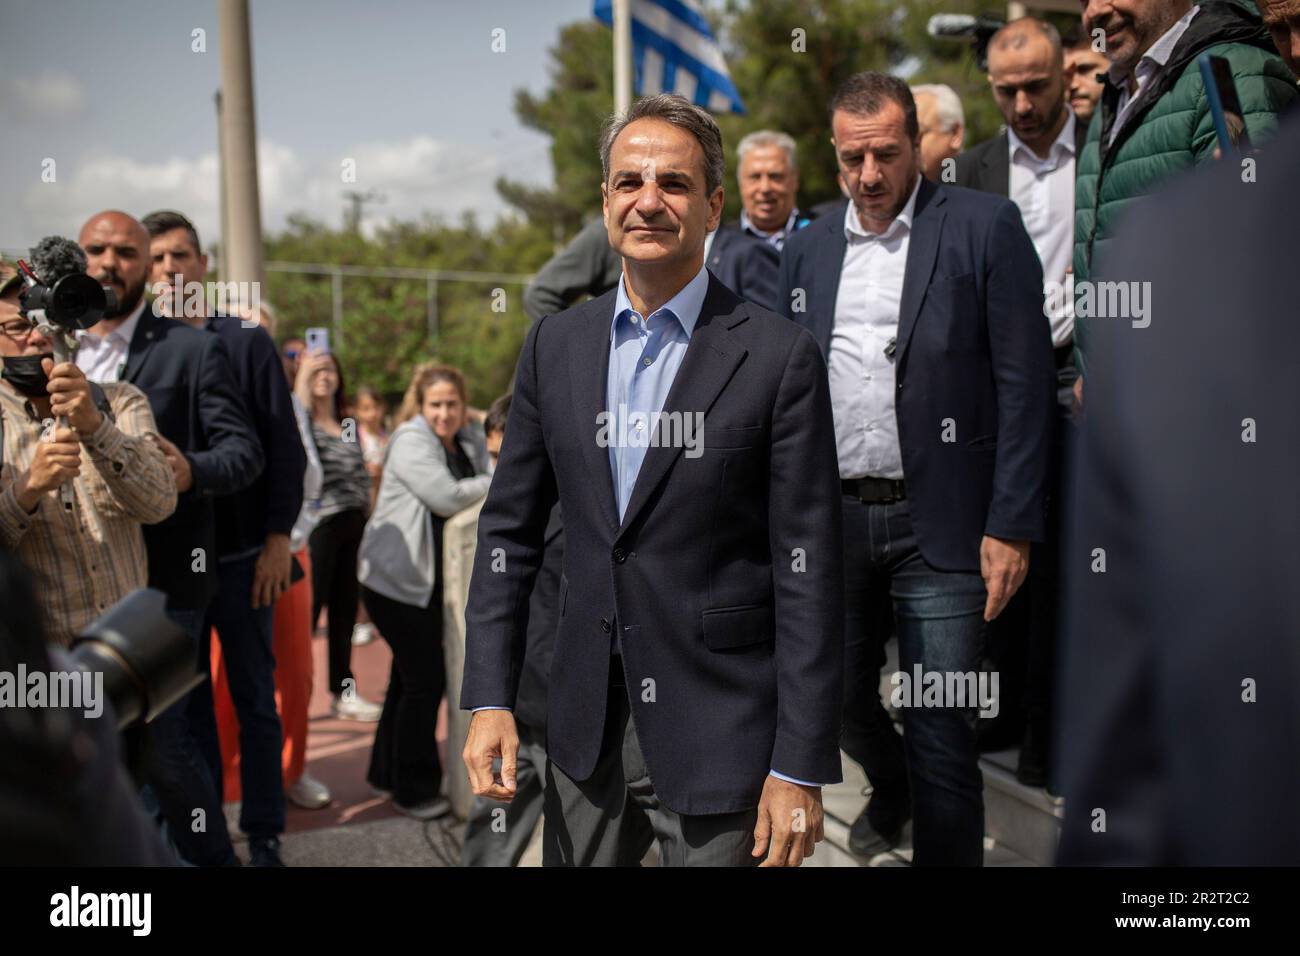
411 90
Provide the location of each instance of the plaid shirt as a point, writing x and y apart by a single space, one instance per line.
89 556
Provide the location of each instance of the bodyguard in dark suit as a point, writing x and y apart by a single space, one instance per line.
1181 744
927 302
213 450
253 557
695 682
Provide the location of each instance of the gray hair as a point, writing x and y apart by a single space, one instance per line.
677 111
768 137
947 104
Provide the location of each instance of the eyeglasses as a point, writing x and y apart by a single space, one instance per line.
18 329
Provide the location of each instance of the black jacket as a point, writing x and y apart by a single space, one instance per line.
196 404
746 265
270 505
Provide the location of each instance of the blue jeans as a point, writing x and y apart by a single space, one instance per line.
181 779
245 634
939 619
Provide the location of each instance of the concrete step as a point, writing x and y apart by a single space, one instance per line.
1025 819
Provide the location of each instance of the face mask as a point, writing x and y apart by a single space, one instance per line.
25 374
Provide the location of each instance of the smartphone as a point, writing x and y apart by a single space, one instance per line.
1225 105
318 341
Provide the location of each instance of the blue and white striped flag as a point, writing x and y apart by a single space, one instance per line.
673 51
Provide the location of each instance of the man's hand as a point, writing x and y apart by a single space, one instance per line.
1077 408
70 397
789 822
272 572
492 734
180 465
54 463
1003 565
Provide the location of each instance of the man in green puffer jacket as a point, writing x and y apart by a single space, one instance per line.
1154 120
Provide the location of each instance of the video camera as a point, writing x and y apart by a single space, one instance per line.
58 297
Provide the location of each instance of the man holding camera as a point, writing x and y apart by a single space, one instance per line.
86 546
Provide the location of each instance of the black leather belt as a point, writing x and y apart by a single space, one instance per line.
874 490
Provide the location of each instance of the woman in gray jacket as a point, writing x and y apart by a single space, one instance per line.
434 467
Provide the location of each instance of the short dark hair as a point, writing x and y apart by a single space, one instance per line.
165 220
865 93
497 413
677 111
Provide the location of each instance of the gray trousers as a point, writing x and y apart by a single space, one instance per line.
495 838
612 818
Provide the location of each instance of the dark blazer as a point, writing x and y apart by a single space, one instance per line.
186 374
1199 530
543 622
724 578
987 167
270 505
974 347
746 264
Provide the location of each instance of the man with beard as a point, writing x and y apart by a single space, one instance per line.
926 300
1155 117
212 448
90 555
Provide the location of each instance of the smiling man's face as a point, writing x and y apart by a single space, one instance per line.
656 208
1131 26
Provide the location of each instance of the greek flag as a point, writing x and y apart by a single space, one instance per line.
673 51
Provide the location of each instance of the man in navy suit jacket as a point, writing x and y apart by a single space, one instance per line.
927 302
745 264
695 678
213 450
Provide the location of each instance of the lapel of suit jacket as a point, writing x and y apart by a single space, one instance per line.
146 333
922 252
710 360
589 377
997 167
827 268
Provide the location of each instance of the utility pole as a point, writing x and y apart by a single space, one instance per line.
243 239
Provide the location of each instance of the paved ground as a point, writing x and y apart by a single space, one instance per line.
359 828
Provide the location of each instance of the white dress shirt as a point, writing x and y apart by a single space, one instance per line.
104 359
866 319
1044 191
1152 62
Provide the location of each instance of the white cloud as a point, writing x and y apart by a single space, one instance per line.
51 94
414 176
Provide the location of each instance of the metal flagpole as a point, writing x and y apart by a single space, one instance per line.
622 55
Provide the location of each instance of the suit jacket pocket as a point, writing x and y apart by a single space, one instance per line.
715 439
730 627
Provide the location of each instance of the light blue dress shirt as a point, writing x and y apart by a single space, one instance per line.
645 353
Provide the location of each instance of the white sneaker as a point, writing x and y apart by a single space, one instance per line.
362 634
355 708
308 792
429 810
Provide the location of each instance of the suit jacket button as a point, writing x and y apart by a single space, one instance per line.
604 624
620 555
